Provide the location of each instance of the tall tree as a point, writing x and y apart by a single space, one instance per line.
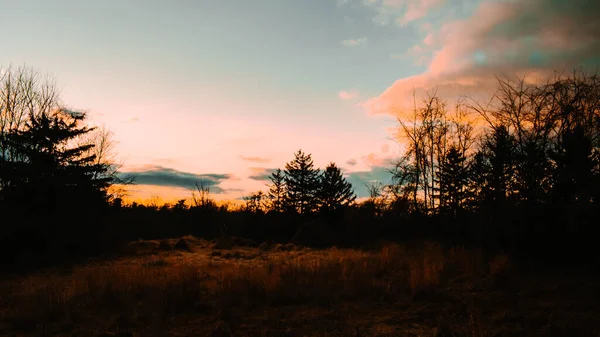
453 181
301 179
499 150
335 192
277 191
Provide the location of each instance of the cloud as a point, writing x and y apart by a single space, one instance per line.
346 95
255 159
374 159
360 180
401 12
163 176
354 42
261 173
165 161
417 9
508 38
351 162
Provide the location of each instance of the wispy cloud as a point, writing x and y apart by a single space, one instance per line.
346 95
416 9
354 42
164 161
401 12
163 176
261 173
374 159
255 159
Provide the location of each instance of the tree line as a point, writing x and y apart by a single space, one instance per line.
520 172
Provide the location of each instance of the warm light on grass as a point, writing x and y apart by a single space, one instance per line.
160 288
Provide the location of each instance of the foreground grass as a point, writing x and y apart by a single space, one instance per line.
290 291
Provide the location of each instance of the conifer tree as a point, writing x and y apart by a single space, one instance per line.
48 171
277 191
453 181
335 191
301 179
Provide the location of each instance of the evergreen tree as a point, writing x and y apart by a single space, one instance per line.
335 191
277 191
453 177
53 184
573 172
48 172
301 179
499 149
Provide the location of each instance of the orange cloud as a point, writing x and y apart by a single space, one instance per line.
374 159
255 159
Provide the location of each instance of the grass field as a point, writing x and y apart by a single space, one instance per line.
284 290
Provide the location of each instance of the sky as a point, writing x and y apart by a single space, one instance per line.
225 91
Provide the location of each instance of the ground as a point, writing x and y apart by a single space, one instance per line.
285 290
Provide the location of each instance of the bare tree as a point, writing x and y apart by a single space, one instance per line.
427 133
23 93
104 153
201 195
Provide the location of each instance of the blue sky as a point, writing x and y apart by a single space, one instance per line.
203 87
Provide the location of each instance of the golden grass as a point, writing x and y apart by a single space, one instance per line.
162 288
147 293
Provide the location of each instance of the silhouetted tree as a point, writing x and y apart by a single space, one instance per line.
499 165
453 181
277 191
47 170
301 180
201 196
255 202
334 192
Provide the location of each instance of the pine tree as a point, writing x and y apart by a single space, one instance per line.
335 192
301 179
499 150
453 183
277 191
48 172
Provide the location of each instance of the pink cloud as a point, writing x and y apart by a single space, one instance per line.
354 42
417 9
346 95
402 12
529 37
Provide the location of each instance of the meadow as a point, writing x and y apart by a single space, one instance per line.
233 287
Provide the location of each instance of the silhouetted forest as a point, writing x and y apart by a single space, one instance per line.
520 173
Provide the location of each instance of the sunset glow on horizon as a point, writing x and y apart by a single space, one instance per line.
228 90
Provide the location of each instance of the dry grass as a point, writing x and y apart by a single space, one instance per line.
146 294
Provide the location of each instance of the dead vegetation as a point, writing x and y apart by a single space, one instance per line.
281 290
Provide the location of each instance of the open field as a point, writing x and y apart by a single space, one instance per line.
284 290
